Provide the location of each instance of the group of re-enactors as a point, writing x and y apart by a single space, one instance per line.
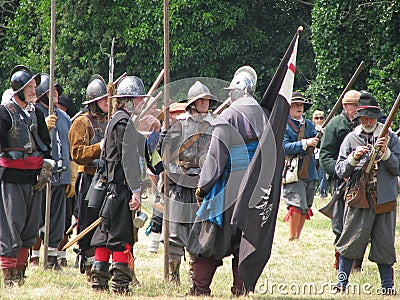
203 148
347 142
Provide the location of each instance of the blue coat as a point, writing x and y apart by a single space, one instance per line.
292 146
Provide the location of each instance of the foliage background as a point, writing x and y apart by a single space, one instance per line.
209 38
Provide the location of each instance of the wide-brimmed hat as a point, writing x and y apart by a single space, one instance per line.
68 103
368 107
297 97
177 107
199 91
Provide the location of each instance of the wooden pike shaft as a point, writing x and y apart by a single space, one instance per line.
82 234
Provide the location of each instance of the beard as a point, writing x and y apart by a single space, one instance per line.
368 129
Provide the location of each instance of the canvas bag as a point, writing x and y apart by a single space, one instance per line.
292 162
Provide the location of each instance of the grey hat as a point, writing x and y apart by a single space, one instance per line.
199 91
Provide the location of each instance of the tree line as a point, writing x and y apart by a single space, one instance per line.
209 38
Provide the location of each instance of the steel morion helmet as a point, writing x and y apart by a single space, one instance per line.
130 87
199 91
96 89
44 87
245 79
20 77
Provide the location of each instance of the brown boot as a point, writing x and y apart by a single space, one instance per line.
174 271
19 275
8 277
100 276
121 276
204 269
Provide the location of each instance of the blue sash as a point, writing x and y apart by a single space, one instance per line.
212 207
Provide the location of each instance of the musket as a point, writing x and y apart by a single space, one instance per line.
338 194
111 85
383 133
303 171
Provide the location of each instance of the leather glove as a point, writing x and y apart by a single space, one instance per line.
69 190
200 194
45 174
51 121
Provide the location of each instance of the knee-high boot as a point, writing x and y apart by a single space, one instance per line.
100 275
203 273
121 276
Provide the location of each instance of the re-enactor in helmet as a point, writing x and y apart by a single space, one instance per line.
189 142
233 142
86 136
60 124
25 144
114 235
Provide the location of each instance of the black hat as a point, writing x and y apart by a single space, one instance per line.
368 107
68 103
298 98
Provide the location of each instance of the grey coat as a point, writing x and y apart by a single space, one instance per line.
388 170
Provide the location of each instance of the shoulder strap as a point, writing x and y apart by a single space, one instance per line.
301 131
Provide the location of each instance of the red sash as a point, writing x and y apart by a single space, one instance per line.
29 163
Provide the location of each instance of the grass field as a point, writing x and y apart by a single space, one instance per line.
296 270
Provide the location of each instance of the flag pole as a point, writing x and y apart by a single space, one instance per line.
51 111
166 152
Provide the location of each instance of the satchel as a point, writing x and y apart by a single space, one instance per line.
290 171
292 162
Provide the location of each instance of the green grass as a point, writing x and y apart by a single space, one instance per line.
293 266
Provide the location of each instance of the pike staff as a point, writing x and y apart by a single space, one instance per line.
166 152
51 111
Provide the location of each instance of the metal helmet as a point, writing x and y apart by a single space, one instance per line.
96 89
130 87
245 79
44 87
20 77
199 91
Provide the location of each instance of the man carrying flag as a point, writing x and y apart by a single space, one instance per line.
235 137
257 203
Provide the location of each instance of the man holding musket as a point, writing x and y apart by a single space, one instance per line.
369 215
334 134
25 141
